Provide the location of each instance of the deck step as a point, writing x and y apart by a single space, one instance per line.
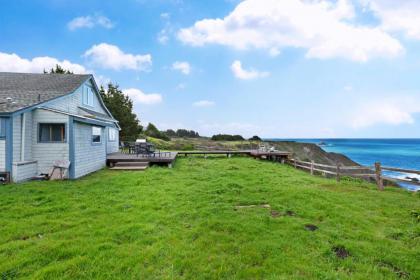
130 166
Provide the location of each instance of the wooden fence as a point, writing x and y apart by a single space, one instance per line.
367 172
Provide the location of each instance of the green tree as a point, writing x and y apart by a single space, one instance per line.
227 137
58 70
121 107
255 138
152 131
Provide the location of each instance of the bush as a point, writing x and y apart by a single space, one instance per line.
182 133
152 131
227 137
255 138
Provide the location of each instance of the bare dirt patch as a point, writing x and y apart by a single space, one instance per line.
290 213
398 271
275 213
341 252
311 227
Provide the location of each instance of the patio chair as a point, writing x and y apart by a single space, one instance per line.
61 165
148 150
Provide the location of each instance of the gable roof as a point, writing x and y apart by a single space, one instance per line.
22 90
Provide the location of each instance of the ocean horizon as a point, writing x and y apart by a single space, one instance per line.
394 152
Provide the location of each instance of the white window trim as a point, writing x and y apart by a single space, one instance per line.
100 135
88 96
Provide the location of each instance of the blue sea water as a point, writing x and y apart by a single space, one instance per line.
400 153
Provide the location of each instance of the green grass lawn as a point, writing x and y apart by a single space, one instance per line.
183 223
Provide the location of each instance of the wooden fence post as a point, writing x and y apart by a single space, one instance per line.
312 167
338 173
295 163
378 172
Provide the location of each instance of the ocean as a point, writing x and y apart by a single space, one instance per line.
401 153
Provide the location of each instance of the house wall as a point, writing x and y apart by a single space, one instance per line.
17 137
46 153
72 102
88 157
2 155
112 146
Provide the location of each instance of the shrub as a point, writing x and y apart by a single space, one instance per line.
227 137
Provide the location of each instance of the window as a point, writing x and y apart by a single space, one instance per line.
2 127
52 132
96 134
88 96
112 134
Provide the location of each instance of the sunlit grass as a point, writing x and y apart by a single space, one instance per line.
184 223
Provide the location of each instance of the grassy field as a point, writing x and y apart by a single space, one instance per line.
214 218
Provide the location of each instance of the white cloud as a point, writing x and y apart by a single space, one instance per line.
243 74
388 111
182 66
204 103
90 22
401 16
181 86
163 36
111 57
324 28
14 63
139 96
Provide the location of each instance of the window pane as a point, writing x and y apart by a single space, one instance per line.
85 95
90 97
96 134
96 130
57 133
51 132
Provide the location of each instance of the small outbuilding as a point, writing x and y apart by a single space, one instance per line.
46 118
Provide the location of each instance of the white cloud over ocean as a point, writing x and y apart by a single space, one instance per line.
89 22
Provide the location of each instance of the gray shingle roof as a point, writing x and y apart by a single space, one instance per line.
26 90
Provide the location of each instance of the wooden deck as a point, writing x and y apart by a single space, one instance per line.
169 157
163 158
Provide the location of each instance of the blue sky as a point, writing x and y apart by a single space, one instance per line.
290 68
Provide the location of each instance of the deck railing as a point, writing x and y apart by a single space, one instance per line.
368 172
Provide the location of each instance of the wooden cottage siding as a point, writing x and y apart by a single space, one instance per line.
71 103
2 155
46 153
88 157
17 129
68 103
28 136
